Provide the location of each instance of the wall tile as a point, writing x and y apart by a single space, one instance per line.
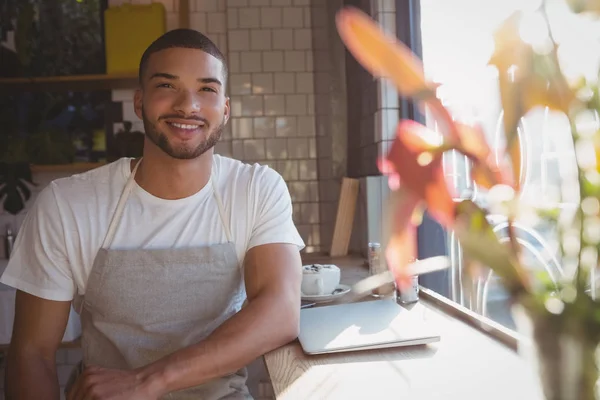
232 18
207 5
252 105
237 149
307 169
240 84
226 134
259 3
299 191
129 112
270 17
239 40
274 104
295 61
302 2
286 126
309 61
122 95
198 21
288 169
281 3
296 104
277 149
262 83
302 39
260 39
249 17
293 17
254 149
283 39
298 148
306 126
264 127
310 212
308 19
311 104
236 106
224 148
169 5
250 61
272 61
233 62
312 148
305 82
285 82
217 23
296 213
241 128
172 21
236 3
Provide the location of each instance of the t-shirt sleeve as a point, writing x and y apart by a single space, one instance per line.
273 217
38 264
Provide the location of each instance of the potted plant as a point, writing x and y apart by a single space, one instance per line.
563 316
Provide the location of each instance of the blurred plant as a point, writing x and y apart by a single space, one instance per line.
53 37
565 316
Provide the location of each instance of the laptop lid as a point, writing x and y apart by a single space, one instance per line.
362 326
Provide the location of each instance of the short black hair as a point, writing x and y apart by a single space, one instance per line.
183 38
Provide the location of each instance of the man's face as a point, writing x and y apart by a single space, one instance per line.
182 102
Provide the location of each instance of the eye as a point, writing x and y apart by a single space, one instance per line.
164 85
209 89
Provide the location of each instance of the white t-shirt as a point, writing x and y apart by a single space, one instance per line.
62 232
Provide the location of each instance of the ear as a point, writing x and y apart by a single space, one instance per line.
227 111
137 103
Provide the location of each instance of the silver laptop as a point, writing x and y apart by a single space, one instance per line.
362 326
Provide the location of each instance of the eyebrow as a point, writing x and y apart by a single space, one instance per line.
173 77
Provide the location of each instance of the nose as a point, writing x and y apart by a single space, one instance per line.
187 103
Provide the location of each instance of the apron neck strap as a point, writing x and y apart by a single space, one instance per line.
114 222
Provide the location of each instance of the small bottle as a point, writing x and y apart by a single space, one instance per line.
376 266
410 294
374 258
9 241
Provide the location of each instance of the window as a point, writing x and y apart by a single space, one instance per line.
455 43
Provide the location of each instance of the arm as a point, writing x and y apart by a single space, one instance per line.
38 329
270 320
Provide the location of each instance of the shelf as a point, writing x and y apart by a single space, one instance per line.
70 83
74 168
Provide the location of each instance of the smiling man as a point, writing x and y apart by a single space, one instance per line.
158 254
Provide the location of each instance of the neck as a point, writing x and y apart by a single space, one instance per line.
169 178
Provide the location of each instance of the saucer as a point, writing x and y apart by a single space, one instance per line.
322 298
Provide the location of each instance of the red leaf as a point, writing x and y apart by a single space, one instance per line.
419 166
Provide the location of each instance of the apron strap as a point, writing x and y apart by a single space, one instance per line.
114 222
224 219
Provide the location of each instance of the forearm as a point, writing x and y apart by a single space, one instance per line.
268 322
30 377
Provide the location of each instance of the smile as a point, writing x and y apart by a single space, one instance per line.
184 126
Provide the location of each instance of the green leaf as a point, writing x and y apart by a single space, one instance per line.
480 243
14 192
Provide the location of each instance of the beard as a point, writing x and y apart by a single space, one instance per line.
183 151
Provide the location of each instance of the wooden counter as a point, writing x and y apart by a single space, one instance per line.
465 364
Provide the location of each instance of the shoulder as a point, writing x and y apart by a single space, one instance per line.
94 184
254 177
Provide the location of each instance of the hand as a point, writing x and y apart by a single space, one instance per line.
96 383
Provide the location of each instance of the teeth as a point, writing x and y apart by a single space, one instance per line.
184 126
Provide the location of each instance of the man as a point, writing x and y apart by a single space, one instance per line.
158 254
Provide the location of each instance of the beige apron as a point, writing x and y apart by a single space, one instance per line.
143 304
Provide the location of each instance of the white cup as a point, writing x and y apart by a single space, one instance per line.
319 279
